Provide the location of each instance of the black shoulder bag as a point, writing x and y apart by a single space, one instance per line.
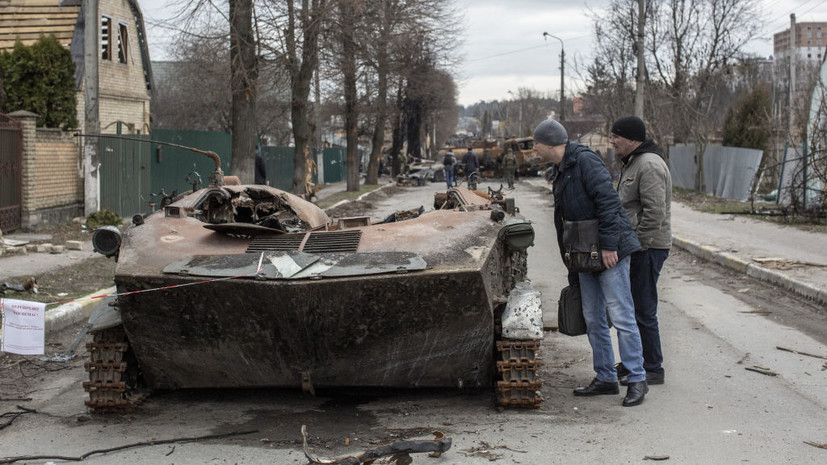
570 320
581 246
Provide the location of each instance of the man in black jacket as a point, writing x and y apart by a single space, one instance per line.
583 191
472 165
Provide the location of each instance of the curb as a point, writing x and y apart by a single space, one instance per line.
732 262
70 313
345 201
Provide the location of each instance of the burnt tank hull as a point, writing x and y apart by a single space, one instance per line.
406 304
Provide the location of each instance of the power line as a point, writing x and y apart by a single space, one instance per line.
506 53
785 17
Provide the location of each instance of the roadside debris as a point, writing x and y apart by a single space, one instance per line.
399 451
487 450
777 263
29 285
762 370
816 444
82 457
823 357
9 417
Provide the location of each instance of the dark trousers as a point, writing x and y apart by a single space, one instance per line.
644 271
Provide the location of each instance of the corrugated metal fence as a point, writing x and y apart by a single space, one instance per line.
134 172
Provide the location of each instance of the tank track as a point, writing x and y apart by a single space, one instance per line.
518 367
113 374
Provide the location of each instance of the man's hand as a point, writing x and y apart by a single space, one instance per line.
609 258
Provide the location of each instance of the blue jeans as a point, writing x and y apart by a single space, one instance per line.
644 272
610 290
449 176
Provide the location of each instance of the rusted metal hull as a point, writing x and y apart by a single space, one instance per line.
367 321
398 331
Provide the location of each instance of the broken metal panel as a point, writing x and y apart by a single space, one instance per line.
523 315
297 265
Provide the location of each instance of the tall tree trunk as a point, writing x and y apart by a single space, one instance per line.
398 137
244 71
347 16
382 70
301 75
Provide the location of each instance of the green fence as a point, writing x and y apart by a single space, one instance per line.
172 165
124 175
133 172
335 165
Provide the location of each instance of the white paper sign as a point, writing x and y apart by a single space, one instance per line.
24 326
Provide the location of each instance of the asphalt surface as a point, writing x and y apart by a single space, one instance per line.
781 255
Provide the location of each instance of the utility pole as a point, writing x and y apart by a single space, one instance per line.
641 66
791 115
91 120
562 76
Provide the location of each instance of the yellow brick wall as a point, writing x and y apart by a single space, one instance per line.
57 180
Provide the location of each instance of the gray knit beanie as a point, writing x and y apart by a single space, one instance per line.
551 132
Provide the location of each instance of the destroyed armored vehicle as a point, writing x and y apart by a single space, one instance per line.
236 286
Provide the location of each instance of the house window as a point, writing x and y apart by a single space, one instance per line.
123 42
106 38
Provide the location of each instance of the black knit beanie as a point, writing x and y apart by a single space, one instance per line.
630 127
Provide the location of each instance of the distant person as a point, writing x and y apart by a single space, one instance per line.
471 163
448 167
645 189
261 170
403 163
509 167
583 191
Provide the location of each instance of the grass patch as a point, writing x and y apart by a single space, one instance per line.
345 195
78 280
760 210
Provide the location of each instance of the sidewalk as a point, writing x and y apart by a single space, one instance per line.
782 255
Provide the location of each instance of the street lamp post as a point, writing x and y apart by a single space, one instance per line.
562 75
520 127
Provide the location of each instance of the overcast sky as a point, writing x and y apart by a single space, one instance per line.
504 47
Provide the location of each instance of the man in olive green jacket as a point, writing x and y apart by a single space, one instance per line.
645 189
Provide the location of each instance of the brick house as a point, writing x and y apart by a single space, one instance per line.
51 175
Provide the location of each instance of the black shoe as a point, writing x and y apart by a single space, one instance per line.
621 370
651 378
597 388
635 394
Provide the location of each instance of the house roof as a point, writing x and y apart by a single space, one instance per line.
27 20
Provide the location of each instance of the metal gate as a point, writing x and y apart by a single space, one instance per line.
124 175
11 173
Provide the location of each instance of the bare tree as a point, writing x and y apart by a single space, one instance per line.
693 42
296 32
244 69
348 11
690 47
